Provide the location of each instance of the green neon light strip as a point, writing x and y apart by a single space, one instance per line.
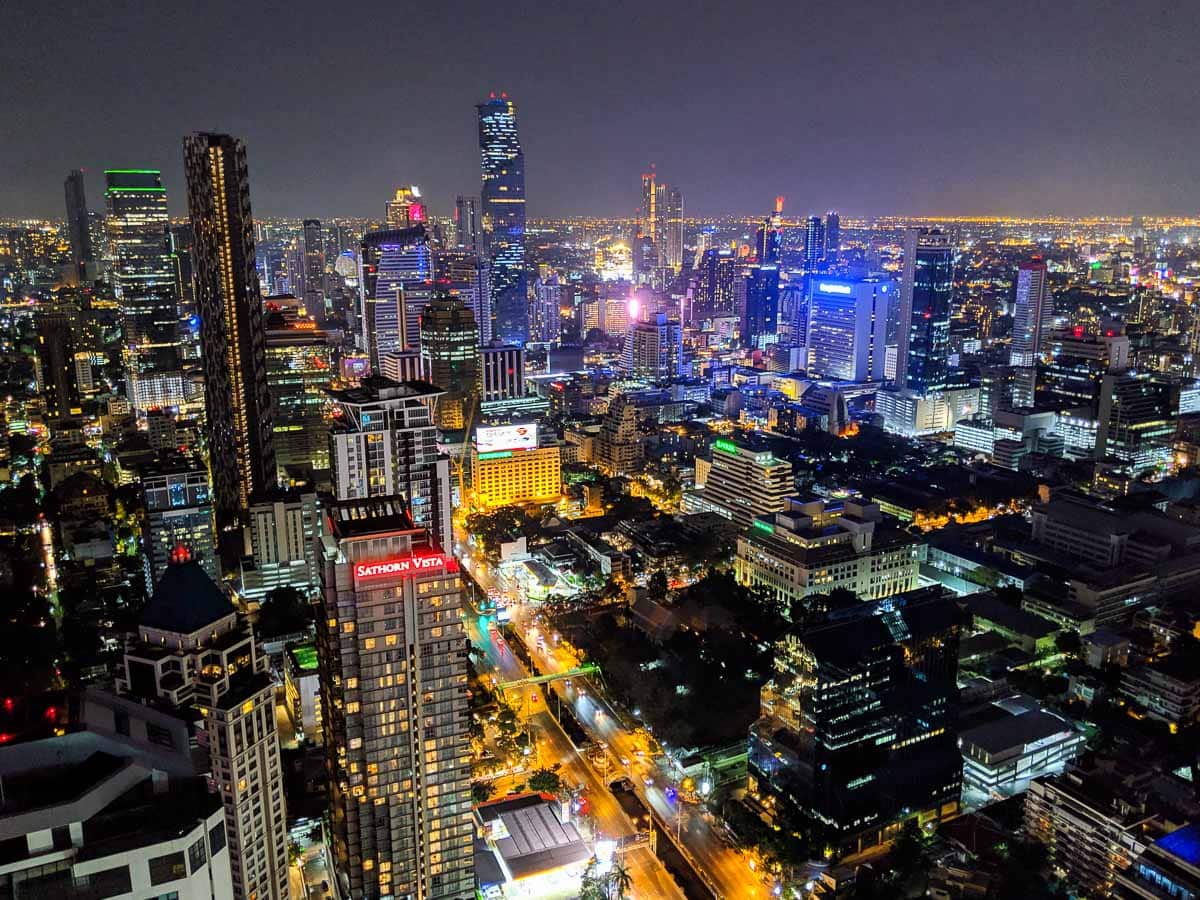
132 172
498 454
135 190
727 446
764 526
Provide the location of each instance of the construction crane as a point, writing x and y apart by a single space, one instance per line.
460 462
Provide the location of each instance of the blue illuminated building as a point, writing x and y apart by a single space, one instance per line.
761 320
847 327
924 333
1170 867
503 199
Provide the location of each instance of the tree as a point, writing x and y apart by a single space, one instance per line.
619 880
283 611
482 791
1068 643
545 781
658 586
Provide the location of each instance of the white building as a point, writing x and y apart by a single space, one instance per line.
911 414
847 328
282 554
743 483
1001 757
88 817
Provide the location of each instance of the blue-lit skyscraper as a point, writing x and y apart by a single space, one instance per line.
847 328
924 334
503 198
760 323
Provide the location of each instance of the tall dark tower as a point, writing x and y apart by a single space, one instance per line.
925 298
237 401
314 270
502 164
77 221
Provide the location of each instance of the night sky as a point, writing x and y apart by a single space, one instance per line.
967 107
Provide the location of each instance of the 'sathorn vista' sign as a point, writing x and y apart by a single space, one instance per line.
403 567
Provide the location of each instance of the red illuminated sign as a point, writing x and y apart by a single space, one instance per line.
405 567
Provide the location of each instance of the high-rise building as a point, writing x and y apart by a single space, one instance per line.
283 527
237 401
395 282
384 443
620 448
314 270
461 273
78 228
466 223
299 363
450 359
509 465
195 654
648 211
503 197
143 271
847 328
405 209
768 242
57 382
793 313
716 275
924 315
1136 422
673 224
393 671
760 319
503 372
179 515
1033 314
833 237
744 482
654 349
859 723
814 243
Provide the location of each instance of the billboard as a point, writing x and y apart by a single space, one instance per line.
506 437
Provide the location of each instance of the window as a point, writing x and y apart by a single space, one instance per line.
167 868
216 839
196 855
108 883
156 734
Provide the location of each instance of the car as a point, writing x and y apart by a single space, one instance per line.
625 761
647 781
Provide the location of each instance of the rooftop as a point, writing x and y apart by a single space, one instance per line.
535 840
378 389
185 601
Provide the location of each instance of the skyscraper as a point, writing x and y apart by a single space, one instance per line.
393 671
715 283
461 273
179 515
814 243
1033 314
761 319
503 197
673 240
769 240
466 223
405 209
833 237
847 328
384 443
395 282
450 358
299 364
144 272
77 222
196 656
654 349
237 400
56 379
314 270
925 295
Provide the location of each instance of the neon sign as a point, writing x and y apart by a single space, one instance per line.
405 566
826 287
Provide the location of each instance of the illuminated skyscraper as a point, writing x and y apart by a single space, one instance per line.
1033 314
395 283
466 223
847 328
392 652
716 275
77 221
450 358
314 270
654 349
299 372
833 237
924 328
760 323
814 243
673 240
237 401
405 209
769 240
461 273
137 223
503 196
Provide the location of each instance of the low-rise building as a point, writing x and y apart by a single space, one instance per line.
1168 689
1000 757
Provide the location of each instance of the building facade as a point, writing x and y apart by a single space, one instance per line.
502 164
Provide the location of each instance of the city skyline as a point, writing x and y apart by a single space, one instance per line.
1049 122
